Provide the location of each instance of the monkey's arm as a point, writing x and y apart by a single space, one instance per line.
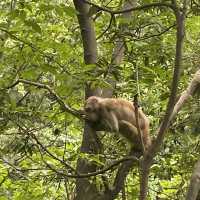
111 121
107 121
109 118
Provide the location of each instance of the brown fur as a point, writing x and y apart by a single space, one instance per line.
119 116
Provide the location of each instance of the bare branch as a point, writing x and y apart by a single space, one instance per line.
156 35
114 164
3 180
64 106
147 6
52 155
109 25
98 172
154 148
137 122
121 175
192 87
180 20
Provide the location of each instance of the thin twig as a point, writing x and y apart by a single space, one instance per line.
64 106
137 122
147 6
109 25
33 47
53 156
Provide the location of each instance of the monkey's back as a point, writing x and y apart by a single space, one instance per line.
124 110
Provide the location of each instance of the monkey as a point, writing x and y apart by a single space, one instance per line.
117 115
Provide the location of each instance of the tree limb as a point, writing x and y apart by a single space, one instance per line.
109 25
154 148
147 6
64 106
78 175
89 142
137 123
186 94
194 186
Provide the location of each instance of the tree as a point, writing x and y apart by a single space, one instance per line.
49 66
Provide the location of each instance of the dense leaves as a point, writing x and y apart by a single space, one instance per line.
39 142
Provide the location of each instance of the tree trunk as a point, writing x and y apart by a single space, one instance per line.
194 186
90 144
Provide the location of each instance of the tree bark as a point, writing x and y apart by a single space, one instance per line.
180 15
90 144
194 186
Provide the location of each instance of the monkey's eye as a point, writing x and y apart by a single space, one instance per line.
88 109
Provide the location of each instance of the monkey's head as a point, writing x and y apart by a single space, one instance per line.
92 109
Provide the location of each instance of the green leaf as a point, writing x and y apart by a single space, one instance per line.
30 73
34 25
12 100
46 7
48 68
22 14
70 11
13 14
59 10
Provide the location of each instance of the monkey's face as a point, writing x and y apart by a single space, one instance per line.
92 109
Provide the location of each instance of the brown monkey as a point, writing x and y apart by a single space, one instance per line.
117 115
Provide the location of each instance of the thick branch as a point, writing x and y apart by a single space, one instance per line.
186 94
194 186
90 142
121 175
178 62
78 175
148 158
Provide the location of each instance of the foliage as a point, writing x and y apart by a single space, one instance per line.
40 41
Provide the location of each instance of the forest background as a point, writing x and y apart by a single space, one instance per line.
54 54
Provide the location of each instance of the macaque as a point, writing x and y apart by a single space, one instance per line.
117 115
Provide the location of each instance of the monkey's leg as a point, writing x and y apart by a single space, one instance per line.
129 131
